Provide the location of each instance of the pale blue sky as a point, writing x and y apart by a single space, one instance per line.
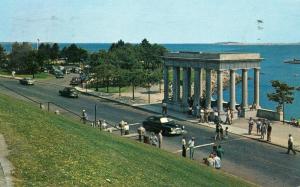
160 21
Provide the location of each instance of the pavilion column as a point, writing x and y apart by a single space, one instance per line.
245 88
166 83
185 87
208 89
232 90
189 73
220 91
256 87
176 84
197 78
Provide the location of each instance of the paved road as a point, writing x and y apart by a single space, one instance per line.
264 164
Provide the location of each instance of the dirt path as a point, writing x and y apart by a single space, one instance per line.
5 166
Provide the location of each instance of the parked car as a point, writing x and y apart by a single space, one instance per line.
75 81
59 74
27 81
69 92
167 125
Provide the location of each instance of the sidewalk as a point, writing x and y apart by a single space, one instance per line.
279 136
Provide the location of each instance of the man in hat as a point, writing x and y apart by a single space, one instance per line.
84 116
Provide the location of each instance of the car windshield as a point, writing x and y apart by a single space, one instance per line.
165 120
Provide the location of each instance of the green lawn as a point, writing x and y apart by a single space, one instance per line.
41 75
50 150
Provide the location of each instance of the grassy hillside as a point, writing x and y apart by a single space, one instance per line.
49 150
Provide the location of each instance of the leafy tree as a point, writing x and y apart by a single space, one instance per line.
136 76
283 94
105 72
32 65
121 78
54 52
73 54
3 57
20 51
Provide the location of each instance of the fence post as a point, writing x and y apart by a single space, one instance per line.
95 113
48 106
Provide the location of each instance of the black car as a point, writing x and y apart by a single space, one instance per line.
59 74
27 81
167 125
69 92
75 81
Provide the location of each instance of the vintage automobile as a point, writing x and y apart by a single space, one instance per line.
69 92
59 74
27 81
167 125
75 81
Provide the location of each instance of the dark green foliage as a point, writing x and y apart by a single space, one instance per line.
73 54
3 57
283 93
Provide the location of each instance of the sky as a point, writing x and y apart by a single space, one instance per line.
160 21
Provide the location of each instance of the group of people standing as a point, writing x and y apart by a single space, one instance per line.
263 128
188 146
214 158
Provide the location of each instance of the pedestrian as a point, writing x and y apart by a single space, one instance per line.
198 111
231 116
126 128
153 139
239 110
103 125
258 126
269 131
13 73
250 123
183 143
201 116
191 147
121 126
190 112
160 138
217 162
221 132
84 116
263 131
206 115
226 133
220 151
217 135
164 108
291 145
227 121
141 132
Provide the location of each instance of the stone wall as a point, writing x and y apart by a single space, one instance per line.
270 114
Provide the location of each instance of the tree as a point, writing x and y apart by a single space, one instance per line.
283 94
105 71
73 54
3 57
136 76
20 51
54 51
32 65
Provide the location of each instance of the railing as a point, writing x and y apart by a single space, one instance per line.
60 107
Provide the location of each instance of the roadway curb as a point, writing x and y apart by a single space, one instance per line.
177 118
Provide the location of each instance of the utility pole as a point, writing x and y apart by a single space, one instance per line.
37 44
95 114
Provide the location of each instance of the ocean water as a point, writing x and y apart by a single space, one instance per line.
272 67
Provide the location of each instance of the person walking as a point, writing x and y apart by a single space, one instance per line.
220 151
263 131
198 111
251 123
206 115
141 131
160 138
191 147
164 108
153 139
201 120
84 116
291 145
269 131
227 121
221 132
121 126
226 133
258 126
217 135
183 143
